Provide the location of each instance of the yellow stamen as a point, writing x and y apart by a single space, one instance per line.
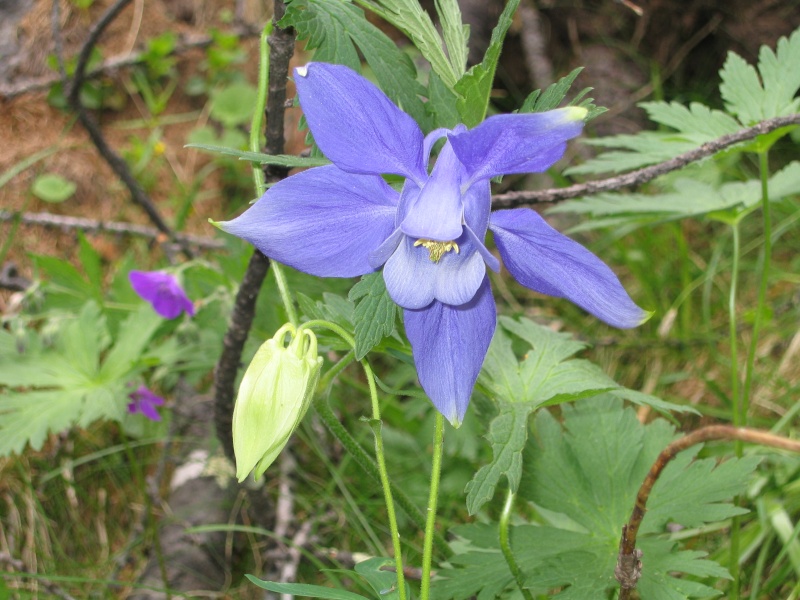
436 250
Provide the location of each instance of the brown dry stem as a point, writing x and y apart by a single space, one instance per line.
629 565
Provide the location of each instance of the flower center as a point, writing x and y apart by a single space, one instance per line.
436 250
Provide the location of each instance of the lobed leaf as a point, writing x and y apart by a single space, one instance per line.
374 314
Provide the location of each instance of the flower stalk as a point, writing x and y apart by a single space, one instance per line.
433 497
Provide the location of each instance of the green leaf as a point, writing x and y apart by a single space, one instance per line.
769 92
90 261
508 433
539 101
374 314
584 475
475 87
455 33
305 590
410 18
694 125
77 381
383 583
233 105
441 103
547 374
282 160
335 28
51 187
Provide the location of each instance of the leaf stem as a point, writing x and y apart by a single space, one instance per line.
505 546
763 163
736 402
383 474
433 497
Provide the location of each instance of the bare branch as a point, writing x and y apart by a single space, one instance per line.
44 219
640 176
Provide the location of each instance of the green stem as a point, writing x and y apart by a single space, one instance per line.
258 175
505 546
763 164
736 402
384 476
433 497
383 473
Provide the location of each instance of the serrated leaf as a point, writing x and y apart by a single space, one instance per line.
539 101
53 188
508 433
282 160
769 92
546 375
335 28
455 33
77 381
585 474
374 313
383 583
475 87
410 18
305 590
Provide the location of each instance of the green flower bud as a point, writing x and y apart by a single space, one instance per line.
273 398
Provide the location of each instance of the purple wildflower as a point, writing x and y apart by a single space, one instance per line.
162 291
344 220
145 401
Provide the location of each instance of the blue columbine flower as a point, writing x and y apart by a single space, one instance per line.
344 220
162 291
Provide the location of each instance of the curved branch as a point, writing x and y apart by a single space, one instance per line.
629 567
117 164
640 176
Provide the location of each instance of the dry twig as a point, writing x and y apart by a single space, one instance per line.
629 565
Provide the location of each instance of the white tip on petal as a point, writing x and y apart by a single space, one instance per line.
301 71
575 113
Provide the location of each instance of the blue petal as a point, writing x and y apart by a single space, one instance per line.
477 206
520 143
550 263
356 125
413 280
436 212
322 221
449 345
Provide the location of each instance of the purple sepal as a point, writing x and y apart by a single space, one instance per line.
541 258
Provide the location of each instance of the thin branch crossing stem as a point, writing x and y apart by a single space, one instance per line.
640 176
629 567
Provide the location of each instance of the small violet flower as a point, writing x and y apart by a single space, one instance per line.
145 401
344 220
163 291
